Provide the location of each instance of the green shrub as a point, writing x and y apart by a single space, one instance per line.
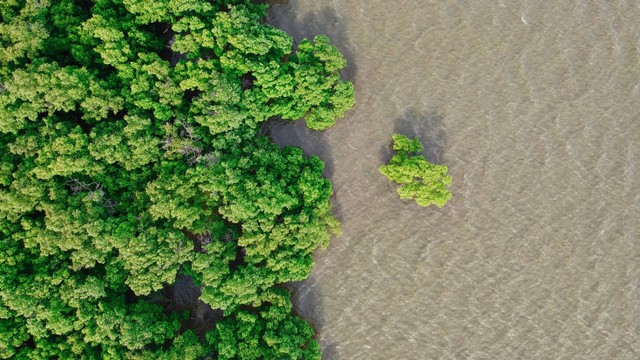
420 180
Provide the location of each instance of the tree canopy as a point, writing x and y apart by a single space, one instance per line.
420 180
132 153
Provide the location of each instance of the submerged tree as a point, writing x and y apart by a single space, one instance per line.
129 155
420 180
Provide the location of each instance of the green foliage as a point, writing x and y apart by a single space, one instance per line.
269 331
71 314
420 180
275 198
130 154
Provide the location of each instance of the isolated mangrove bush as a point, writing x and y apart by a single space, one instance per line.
419 180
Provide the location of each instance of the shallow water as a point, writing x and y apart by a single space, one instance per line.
534 106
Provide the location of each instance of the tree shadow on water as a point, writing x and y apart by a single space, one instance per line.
428 127
307 302
296 133
306 298
281 14
183 295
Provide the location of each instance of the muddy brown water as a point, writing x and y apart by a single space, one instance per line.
534 106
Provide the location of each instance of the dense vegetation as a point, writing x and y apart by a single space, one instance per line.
132 153
420 180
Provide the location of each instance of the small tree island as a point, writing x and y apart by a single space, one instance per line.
420 180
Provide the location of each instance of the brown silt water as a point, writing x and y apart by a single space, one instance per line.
534 106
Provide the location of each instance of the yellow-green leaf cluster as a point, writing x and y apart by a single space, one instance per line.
420 180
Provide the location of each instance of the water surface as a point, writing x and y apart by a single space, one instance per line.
534 106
